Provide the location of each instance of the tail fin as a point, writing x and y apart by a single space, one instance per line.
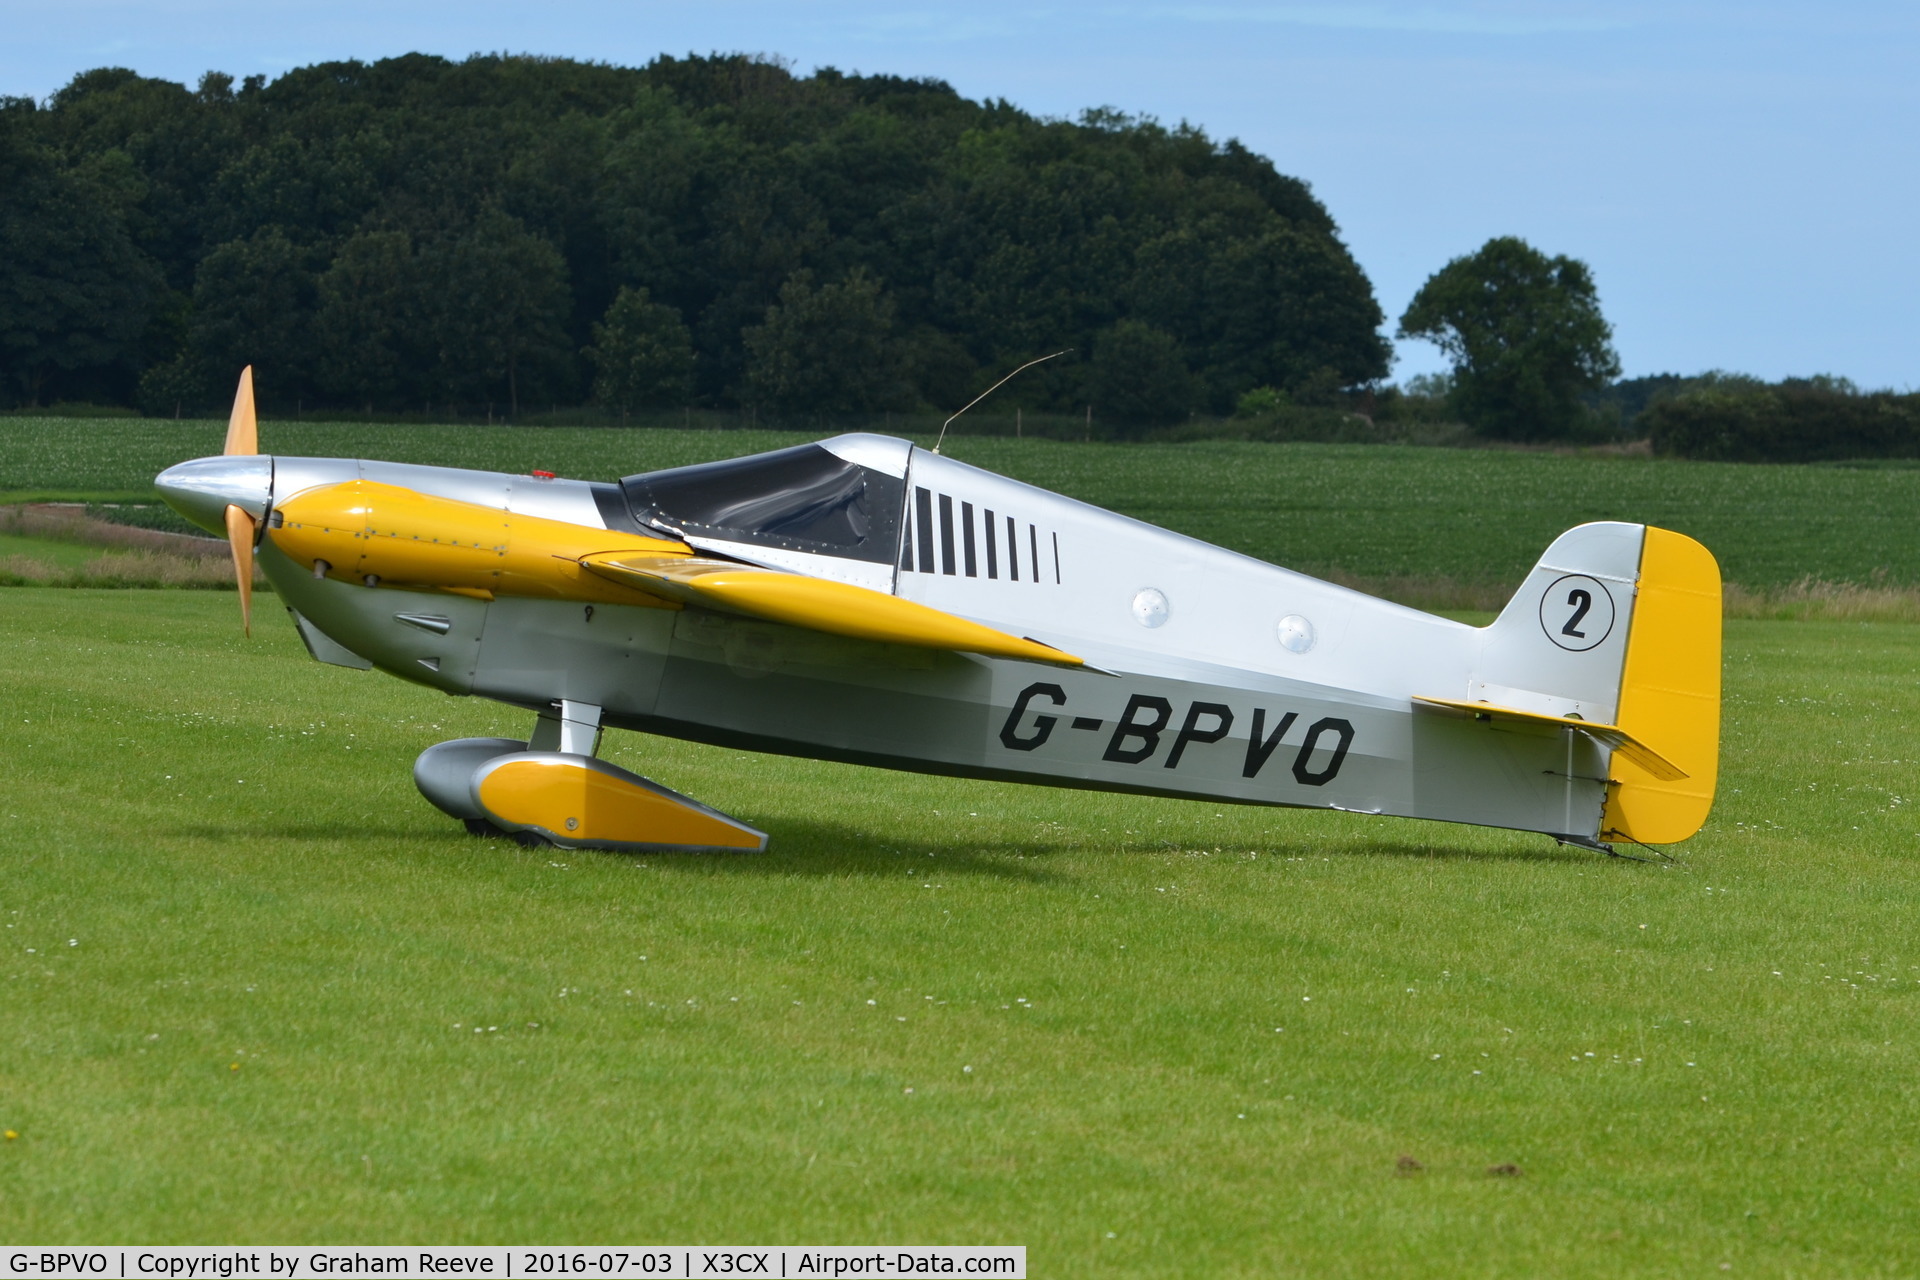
1560 644
1618 626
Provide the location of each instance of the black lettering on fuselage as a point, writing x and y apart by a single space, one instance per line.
1302 772
1148 733
1137 734
1258 747
1190 730
1042 725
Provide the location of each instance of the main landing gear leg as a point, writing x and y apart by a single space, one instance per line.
552 790
569 727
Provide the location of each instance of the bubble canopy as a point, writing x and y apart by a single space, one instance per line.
801 499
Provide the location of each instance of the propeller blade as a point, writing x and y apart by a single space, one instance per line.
240 527
243 429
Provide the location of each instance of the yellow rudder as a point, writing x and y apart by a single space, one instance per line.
1669 694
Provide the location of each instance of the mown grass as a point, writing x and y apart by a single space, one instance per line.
244 965
1368 514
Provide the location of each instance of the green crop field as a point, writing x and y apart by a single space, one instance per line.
252 988
1371 512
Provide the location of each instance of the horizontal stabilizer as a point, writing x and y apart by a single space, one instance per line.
817 604
1609 735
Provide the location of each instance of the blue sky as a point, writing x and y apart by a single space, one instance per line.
1742 177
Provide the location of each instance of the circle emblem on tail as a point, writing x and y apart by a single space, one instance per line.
1577 612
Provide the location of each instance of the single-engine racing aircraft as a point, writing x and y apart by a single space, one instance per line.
868 600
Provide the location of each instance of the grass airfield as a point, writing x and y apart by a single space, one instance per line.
252 988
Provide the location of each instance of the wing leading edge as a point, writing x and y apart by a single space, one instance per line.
817 604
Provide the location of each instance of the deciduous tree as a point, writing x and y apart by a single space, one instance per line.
372 313
1138 375
75 293
253 305
502 296
1525 334
643 354
824 349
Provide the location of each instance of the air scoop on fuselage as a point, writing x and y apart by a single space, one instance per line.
203 489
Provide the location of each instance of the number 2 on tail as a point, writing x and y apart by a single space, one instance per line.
1582 602
1576 612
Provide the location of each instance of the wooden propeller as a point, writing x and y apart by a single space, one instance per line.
243 437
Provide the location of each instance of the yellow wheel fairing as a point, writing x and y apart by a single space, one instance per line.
580 802
1669 694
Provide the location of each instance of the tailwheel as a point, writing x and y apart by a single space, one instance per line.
578 802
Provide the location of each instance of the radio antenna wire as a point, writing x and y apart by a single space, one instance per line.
989 391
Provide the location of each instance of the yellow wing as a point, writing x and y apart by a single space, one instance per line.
838 608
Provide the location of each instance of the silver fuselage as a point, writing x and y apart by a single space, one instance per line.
1220 676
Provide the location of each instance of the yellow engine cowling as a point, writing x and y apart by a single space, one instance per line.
363 531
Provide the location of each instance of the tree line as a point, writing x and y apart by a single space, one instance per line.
1733 418
424 235
1533 360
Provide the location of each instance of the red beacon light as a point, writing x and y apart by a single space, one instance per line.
543 475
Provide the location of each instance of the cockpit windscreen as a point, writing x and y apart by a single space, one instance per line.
802 499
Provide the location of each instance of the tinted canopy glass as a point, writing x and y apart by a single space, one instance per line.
802 499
